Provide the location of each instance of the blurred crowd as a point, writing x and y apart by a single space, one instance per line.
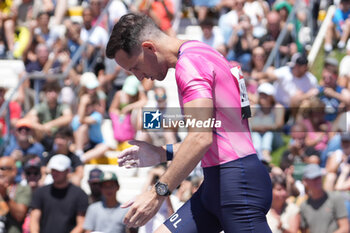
53 127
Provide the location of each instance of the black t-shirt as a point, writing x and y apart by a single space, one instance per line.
75 160
59 207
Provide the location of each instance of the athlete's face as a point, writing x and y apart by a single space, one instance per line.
147 63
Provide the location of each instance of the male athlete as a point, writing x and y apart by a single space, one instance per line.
236 192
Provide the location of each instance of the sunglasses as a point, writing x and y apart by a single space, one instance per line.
23 128
159 98
33 173
6 168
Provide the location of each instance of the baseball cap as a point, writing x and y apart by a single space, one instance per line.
32 163
94 175
331 61
59 162
24 122
298 59
131 85
345 137
89 80
312 171
108 176
266 88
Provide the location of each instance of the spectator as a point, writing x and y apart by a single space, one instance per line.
257 64
15 112
317 128
298 154
242 42
124 106
68 201
43 34
212 37
98 38
323 211
106 215
95 185
162 13
32 175
343 182
339 29
17 197
90 86
293 83
63 141
49 115
24 142
337 160
268 117
116 9
7 25
283 216
331 94
204 8
344 69
86 125
268 41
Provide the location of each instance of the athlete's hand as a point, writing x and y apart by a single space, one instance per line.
142 154
142 209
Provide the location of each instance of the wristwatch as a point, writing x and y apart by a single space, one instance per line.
162 189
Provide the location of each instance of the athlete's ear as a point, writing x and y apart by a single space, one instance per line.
148 45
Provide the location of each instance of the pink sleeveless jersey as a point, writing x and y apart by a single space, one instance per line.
202 72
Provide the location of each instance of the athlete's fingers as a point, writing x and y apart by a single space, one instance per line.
142 221
127 154
131 164
127 204
128 215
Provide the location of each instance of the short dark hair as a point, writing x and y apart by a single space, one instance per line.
127 34
64 132
52 85
278 179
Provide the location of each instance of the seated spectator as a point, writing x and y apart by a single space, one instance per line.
124 105
293 83
90 86
24 142
268 117
88 138
94 182
283 216
268 41
17 197
337 160
323 211
331 94
98 38
44 34
32 175
242 42
343 181
339 28
212 37
68 201
62 144
7 25
107 215
257 64
318 130
15 112
344 69
204 7
298 154
49 115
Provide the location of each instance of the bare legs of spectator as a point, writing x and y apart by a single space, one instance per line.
98 151
60 11
80 139
9 27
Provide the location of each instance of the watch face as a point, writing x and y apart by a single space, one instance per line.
162 189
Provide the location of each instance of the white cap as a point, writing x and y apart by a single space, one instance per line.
89 80
266 88
59 162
